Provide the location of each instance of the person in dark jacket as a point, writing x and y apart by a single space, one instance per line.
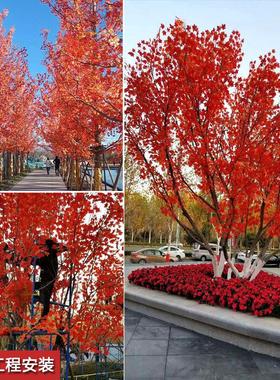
49 268
56 162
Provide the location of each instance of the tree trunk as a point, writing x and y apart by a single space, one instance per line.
21 162
150 235
67 169
169 238
70 175
1 167
97 175
63 168
9 165
4 165
15 164
78 175
132 236
145 236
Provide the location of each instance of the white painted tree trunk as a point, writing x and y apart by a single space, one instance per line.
250 269
219 262
222 259
258 265
215 265
150 236
246 266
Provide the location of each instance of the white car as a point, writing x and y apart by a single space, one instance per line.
201 253
242 255
173 251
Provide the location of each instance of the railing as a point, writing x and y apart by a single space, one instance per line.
108 178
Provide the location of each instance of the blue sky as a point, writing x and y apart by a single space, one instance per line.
30 17
257 21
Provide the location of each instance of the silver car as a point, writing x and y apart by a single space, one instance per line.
201 253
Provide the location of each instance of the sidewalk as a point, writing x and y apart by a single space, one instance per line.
162 351
38 180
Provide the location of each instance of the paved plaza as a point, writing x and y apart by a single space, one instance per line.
158 350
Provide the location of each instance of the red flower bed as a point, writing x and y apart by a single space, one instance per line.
260 297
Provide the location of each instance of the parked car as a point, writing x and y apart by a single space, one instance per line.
149 255
242 255
274 260
173 252
201 253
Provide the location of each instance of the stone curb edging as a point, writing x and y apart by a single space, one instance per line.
256 334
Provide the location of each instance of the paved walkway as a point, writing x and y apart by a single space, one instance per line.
161 351
38 180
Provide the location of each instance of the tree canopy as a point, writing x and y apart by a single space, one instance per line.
82 94
17 94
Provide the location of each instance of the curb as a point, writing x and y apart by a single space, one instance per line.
252 333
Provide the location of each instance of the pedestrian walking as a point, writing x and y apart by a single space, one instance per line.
48 165
56 162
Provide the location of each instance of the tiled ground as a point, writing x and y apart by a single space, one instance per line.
158 350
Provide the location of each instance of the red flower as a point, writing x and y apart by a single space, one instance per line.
260 297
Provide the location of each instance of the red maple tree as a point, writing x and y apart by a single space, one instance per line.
200 130
17 95
75 109
90 227
81 97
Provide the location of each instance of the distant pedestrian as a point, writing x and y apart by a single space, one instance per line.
56 162
167 257
48 165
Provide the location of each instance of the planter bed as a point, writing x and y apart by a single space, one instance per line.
260 297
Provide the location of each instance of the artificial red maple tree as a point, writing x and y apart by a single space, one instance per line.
200 130
90 226
81 97
17 99
78 112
